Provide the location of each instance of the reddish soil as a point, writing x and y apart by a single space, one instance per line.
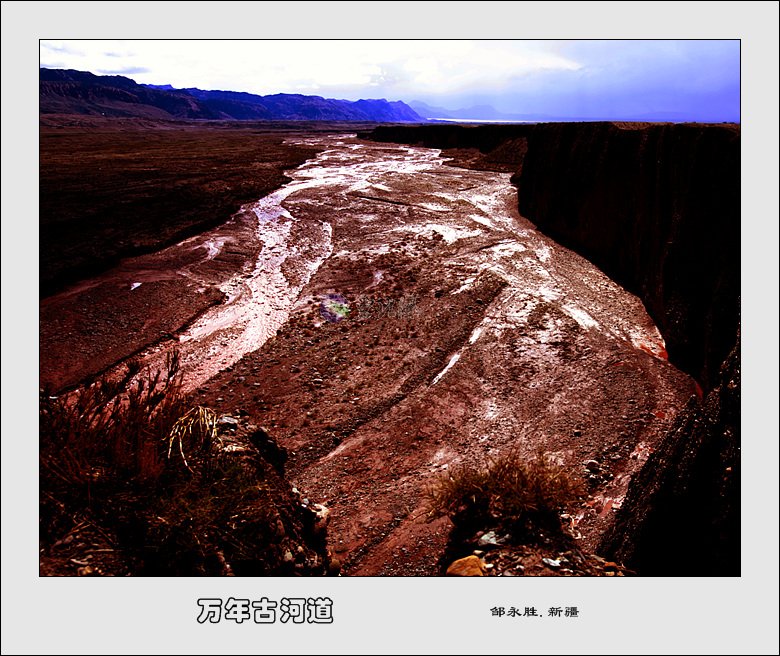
354 400
468 333
113 188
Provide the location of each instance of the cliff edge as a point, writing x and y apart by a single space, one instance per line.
657 208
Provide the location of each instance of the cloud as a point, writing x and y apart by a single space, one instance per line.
549 77
696 80
59 47
345 68
129 70
440 67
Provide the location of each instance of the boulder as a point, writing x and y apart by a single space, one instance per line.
468 566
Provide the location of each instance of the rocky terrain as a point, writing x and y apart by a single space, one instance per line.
389 318
230 513
657 207
679 184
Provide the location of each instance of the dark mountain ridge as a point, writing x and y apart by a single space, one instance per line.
79 92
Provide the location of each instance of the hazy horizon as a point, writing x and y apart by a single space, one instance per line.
693 80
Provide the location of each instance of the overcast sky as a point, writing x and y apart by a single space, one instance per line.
680 80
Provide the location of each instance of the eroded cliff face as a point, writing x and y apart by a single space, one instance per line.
483 137
657 208
498 147
681 514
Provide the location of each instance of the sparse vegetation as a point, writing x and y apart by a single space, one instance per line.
110 427
133 460
516 494
197 428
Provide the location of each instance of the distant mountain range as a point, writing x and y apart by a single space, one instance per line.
488 113
483 112
79 92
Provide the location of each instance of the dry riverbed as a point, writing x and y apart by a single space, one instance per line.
388 317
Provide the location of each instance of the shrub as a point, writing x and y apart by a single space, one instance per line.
510 492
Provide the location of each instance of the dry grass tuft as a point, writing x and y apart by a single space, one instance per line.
197 428
509 491
138 460
116 426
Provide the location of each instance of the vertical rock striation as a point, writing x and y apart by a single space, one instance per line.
681 516
657 208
